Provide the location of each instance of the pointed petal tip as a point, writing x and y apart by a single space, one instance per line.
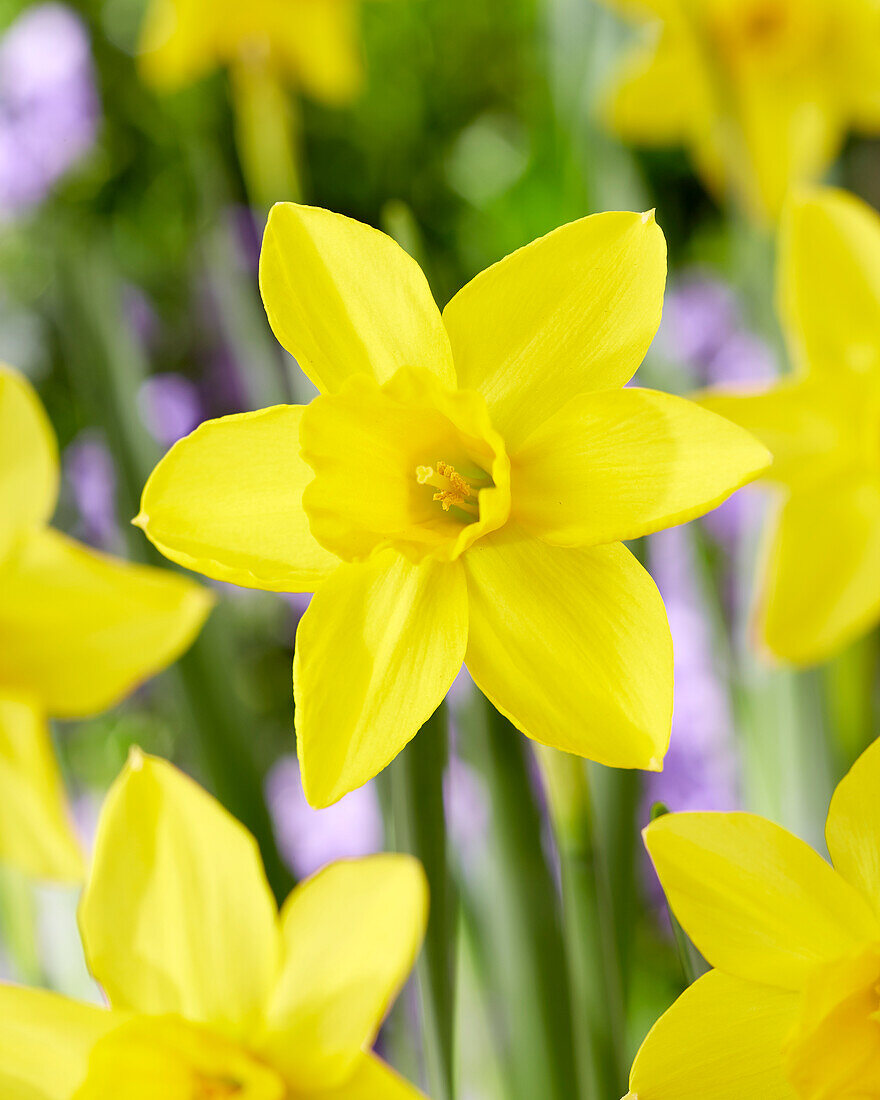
136 758
141 520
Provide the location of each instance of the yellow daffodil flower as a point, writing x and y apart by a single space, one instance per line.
761 92
313 44
458 491
78 631
822 583
791 1010
213 993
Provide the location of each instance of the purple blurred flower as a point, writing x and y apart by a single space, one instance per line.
701 768
699 313
309 838
466 805
170 407
48 103
91 476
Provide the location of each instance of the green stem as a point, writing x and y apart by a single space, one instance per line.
107 365
523 933
849 682
419 827
597 992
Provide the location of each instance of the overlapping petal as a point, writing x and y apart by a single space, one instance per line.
36 834
852 830
721 1040
618 464
80 630
811 427
758 902
571 312
226 501
372 1078
829 283
45 1043
351 935
376 652
28 460
823 570
345 299
573 646
177 916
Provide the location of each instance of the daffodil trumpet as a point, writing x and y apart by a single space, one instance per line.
212 992
458 491
790 1009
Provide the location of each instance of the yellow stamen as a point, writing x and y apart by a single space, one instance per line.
453 491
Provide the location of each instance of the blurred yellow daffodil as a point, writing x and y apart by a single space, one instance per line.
78 631
312 44
214 994
791 1010
458 491
822 584
761 92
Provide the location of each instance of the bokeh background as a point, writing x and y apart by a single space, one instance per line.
130 222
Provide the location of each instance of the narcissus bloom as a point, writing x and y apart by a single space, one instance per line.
78 631
822 583
313 44
761 92
791 1010
214 994
458 491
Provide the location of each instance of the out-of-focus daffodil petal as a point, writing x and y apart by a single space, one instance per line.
572 646
45 1043
829 283
823 570
661 95
345 299
168 1058
621 463
571 312
372 1078
177 916
809 426
852 830
721 1040
757 901
28 460
392 636
351 935
80 630
177 45
35 830
319 43
226 501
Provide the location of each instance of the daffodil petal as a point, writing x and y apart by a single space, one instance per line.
852 830
829 282
372 1079
45 1043
339 975
572 646
621 463
177 916
758 902
319 43
81 630
376 652
36 834
721 1040
807 424
571 312
660 92
226 501
175 47
345 299
822 585
28 460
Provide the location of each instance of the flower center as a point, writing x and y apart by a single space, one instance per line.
453 490
216 1088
